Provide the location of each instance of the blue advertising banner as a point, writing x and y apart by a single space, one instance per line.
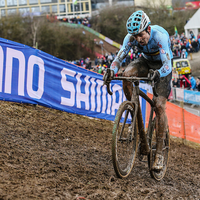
192 97
28 75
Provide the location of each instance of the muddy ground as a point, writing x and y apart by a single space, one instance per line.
49 154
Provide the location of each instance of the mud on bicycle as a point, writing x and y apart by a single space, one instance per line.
129 138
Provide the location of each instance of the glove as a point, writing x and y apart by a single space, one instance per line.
108 76
155 75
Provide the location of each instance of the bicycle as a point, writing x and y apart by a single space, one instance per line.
128 135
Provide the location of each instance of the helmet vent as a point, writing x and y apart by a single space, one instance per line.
137 19
135 24
138 15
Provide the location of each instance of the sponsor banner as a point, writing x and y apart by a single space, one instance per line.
90 30
192 97
108 40
193 4
147 87
102 36
117 45
179 94
28 75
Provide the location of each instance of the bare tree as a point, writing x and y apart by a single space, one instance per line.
35 24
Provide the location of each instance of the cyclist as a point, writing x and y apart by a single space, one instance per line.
155 45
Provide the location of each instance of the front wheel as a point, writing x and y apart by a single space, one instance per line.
158 175
124 140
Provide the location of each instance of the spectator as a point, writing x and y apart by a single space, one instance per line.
187 44
195 45
183 38
128 58
174 74
176 49
191 35
198 36
100 69
109 59
190 51
193 82
131 57
175 82
184 53
198 84
198 42
101 42
96 62
88 63
184 82
82 62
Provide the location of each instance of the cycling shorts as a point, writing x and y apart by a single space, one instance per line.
140 67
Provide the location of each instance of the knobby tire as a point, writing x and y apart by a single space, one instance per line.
124 151
158 175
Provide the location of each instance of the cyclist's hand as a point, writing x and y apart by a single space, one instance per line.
107 77
155 75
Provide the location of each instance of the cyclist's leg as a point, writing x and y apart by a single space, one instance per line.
137 68
163 89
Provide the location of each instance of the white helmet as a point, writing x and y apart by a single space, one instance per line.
137 22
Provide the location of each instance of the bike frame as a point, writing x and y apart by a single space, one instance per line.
136 92
141 127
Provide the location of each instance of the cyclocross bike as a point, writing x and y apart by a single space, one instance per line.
129 136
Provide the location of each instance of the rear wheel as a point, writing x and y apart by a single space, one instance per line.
124 140
158 175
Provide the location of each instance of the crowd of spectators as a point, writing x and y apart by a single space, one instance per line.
187 82
183 46
101 63
77 20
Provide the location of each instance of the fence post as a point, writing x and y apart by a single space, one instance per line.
183 122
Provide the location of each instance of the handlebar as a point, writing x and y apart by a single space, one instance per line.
135 79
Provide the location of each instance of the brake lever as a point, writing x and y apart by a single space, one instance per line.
106 82
108 89
151 76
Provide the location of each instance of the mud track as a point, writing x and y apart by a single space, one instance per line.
49 154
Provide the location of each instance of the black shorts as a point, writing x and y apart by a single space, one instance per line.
140 67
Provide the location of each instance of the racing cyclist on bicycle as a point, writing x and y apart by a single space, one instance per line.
154 43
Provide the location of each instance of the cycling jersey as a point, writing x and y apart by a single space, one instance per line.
157 49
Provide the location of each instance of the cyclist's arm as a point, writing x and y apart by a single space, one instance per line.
116 64
165 55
